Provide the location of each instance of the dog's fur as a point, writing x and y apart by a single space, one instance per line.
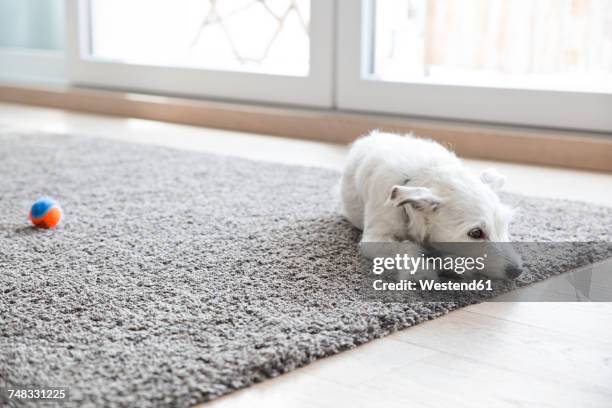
407 189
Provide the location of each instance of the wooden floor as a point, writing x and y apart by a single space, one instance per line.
489 355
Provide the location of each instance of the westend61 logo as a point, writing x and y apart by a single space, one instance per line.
412 265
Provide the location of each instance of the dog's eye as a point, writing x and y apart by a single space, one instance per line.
476 233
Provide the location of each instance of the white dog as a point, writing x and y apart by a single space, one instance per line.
406 189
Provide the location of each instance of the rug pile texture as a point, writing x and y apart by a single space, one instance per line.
178 277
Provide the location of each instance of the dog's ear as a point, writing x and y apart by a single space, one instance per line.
493 179
419 198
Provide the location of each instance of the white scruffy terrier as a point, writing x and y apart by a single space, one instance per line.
406 189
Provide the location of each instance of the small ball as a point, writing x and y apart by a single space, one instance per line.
45 213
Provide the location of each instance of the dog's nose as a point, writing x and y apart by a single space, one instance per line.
513 272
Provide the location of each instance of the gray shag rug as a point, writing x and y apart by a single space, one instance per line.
178 277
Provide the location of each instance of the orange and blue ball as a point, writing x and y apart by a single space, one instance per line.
45 213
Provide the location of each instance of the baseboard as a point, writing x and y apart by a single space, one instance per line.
534 146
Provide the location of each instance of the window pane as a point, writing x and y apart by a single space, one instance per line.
32 24
545 44
267 36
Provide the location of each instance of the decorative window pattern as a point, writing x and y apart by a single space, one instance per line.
265 36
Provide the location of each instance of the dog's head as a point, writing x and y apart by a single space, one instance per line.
456 206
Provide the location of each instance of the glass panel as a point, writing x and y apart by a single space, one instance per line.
267 36
544 44
32 24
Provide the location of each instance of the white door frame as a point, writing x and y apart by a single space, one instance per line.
542 108
314 90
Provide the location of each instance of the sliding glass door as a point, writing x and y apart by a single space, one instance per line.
277 51
541 63
545 63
